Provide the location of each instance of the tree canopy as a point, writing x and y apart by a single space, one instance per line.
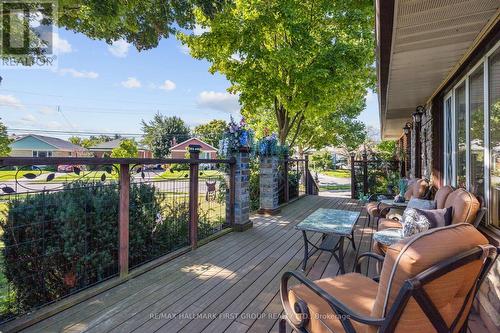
298 59
92 140
211 132
4 141
127 148
161 132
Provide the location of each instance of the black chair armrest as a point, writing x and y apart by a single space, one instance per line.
344 313
365 255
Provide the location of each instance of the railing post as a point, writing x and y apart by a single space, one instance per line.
365 174
286 189
194 154
123 224
353 177
269 185
232 190
306 175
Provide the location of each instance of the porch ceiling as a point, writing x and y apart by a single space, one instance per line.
427 41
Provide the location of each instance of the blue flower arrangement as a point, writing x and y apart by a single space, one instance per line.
235 137
269 146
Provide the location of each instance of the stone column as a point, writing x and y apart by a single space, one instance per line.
242 194
269 185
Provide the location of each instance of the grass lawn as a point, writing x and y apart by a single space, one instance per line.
182 174
335 187
337 173
11 174
93 175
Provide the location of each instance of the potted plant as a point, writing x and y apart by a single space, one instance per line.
237 136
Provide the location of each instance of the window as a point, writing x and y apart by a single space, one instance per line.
448 137
42 153
494 136
476 121
460 135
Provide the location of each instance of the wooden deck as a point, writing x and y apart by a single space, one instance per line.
229 285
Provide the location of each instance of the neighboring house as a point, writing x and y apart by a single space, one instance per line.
33 145
444 58
207 151
104 149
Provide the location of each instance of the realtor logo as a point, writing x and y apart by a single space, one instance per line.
27 32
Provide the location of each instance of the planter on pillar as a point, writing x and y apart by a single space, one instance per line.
269 190
241 187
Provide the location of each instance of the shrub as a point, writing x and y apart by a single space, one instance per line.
57 243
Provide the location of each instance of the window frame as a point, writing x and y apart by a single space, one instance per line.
484 63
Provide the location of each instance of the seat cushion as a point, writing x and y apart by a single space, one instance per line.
414 255
386 223
354 290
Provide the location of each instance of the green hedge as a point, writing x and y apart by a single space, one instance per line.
60 242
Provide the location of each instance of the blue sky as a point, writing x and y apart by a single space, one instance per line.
101 88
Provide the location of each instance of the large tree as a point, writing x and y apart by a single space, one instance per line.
297 58
141 23
211 132
4 141
161 133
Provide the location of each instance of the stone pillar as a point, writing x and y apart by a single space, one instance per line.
269 185
241 188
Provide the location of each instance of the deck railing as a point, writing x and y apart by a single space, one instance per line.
61 232
369 176
295 179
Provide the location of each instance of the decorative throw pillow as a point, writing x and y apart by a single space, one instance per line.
414 222
421 204
437 217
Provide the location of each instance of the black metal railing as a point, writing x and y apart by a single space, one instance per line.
369 176
62 232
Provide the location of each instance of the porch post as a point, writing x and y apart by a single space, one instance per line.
353 177
269 188
241 190
194 154
417 117
123 223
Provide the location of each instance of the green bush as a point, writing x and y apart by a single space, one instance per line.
57 243
179 167
254 185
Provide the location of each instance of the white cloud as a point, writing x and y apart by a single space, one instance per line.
167 85
220 101
11 101
119 48
184 49
53 125
199 30
78 74
29 118
61 45
131 83
47 110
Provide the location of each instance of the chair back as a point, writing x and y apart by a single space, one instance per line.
441 196
465 206
428 282
417 188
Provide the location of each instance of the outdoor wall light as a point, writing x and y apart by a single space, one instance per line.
417 115
407 128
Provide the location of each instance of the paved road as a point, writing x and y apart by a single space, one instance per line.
170 185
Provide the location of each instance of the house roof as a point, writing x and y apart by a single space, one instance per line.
183 145
420 45
57 143
110 145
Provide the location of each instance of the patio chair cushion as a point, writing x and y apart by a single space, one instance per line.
388 223
414 255
354 290
441 196
421 204
417 188
374 209
464 204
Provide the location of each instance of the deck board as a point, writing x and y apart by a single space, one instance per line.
236 275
